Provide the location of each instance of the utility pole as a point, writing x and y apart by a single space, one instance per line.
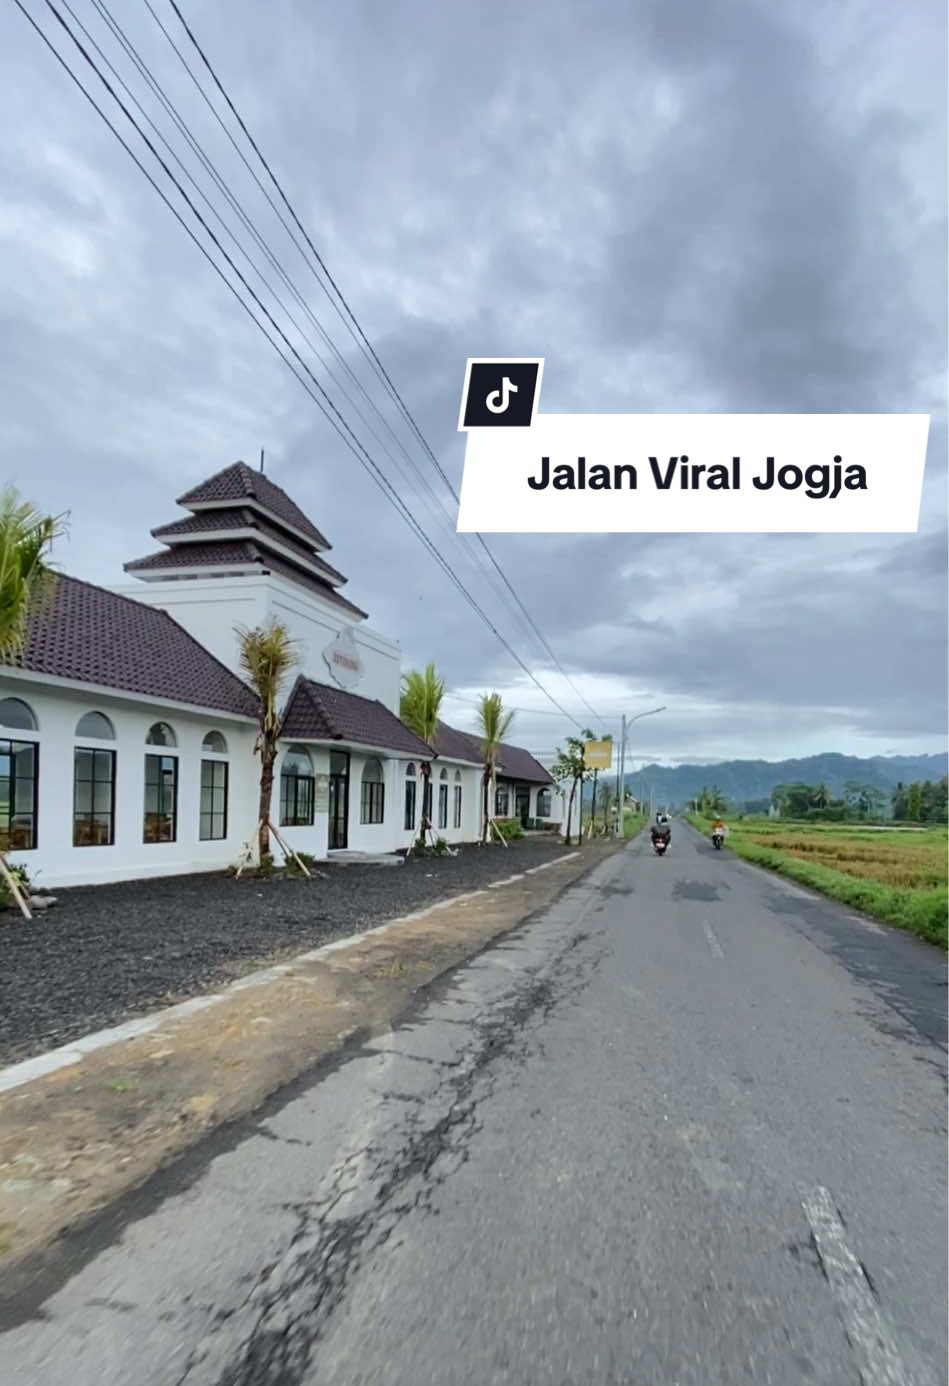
621 779
621 782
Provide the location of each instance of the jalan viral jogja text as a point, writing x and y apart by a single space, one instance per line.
820 481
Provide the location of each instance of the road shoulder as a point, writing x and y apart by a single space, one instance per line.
77 1138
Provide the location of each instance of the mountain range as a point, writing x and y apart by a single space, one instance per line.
742 781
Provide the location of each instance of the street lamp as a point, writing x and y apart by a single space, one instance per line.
621 784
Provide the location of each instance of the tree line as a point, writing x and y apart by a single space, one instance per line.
924 801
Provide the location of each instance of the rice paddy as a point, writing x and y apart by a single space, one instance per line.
895 874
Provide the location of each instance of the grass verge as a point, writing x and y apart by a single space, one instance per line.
895 878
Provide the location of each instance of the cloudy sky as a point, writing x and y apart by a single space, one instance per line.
702 206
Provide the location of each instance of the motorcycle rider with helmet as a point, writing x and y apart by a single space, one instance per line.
661 828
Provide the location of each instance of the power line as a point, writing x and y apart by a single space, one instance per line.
324 401
222 186
358 334
466 540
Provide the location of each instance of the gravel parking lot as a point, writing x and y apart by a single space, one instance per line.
106 953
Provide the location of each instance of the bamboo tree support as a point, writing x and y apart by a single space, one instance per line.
288 852
247 854
492 822
14 887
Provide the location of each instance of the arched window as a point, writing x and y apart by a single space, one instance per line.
456 816
443 799
543 803
457 777
93 784
97 726
161 787
410 771
160 734
212 817
372 801
14 712
18 768
296 788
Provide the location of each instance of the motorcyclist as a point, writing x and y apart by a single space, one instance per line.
661 827
718 827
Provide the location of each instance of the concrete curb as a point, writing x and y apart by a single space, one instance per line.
42 1065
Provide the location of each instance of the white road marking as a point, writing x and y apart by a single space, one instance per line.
41 1065
867 923
715 947
869 1336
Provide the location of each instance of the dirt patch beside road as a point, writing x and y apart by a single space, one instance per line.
73 1141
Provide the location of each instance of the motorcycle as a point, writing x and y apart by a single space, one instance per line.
659 845
718 838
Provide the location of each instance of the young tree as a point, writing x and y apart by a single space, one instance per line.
570 768
420 708
267 654
26 582
607 802
494 723
26 579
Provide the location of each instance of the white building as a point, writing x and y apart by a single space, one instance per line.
127 735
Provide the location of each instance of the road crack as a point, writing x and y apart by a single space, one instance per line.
371 1191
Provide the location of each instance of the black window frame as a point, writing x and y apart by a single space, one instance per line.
13 746
456 815
158 814
100 755
372 801
212 814
410 806
502 789
443 806
297 798
545 798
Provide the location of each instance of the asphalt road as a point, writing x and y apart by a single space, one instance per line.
688 1126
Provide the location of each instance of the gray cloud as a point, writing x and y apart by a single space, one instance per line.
707 206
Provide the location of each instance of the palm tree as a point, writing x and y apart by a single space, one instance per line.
419 709
494 723
267 654
26 583
25 578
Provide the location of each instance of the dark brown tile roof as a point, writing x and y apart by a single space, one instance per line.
458 745
86 633
239 553
513 762
223 521
319 712
240 482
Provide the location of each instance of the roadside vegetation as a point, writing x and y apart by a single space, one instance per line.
896 875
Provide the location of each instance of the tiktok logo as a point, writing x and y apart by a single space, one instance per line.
498 400
500 394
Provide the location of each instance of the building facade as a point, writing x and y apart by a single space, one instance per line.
127 735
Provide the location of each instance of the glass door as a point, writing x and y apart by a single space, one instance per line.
339 800
522 805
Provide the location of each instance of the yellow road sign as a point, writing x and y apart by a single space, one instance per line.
598 755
